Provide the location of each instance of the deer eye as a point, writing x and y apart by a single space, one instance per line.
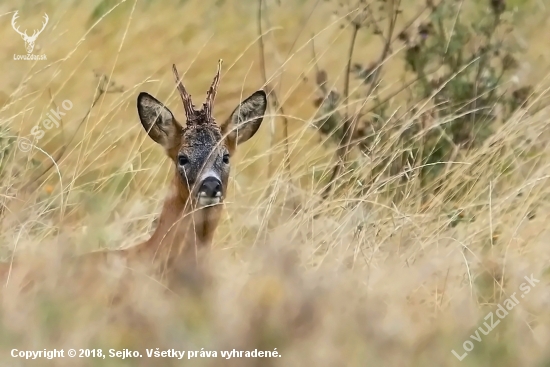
182 160
226 158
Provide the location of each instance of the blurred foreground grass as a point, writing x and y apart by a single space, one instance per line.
367 282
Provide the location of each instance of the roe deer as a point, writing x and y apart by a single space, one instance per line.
200 152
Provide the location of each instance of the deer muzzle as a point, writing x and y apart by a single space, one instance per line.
210 191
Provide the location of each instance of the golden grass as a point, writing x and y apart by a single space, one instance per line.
367 282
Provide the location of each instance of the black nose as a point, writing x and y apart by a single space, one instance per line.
211 187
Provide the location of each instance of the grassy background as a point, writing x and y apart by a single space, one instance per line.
366 283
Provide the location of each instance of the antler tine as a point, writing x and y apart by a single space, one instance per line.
44 23
185 97
14 18
211 94
15 27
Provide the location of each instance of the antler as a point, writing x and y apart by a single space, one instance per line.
211 94
208 105
36 33
24 34
185 97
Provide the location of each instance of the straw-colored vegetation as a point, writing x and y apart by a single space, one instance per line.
397 266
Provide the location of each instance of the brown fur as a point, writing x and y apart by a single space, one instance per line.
184 227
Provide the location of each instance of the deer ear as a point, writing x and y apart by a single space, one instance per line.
158 121
246 119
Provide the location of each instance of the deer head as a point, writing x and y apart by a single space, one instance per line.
29 40
201 150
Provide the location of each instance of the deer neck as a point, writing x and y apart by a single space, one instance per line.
182 230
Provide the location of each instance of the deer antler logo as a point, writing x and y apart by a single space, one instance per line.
29 40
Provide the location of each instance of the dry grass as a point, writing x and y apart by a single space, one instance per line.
367 282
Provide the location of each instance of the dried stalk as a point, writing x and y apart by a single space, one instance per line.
279 111
350 123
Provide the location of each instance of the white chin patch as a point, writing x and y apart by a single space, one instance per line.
206 201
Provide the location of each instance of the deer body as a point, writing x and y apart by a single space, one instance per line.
200 152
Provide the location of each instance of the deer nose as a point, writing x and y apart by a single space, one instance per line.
211 187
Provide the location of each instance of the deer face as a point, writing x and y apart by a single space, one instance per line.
201 151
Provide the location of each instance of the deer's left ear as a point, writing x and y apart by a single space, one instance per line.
246 119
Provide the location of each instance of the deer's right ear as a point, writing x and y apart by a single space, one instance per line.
158 121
